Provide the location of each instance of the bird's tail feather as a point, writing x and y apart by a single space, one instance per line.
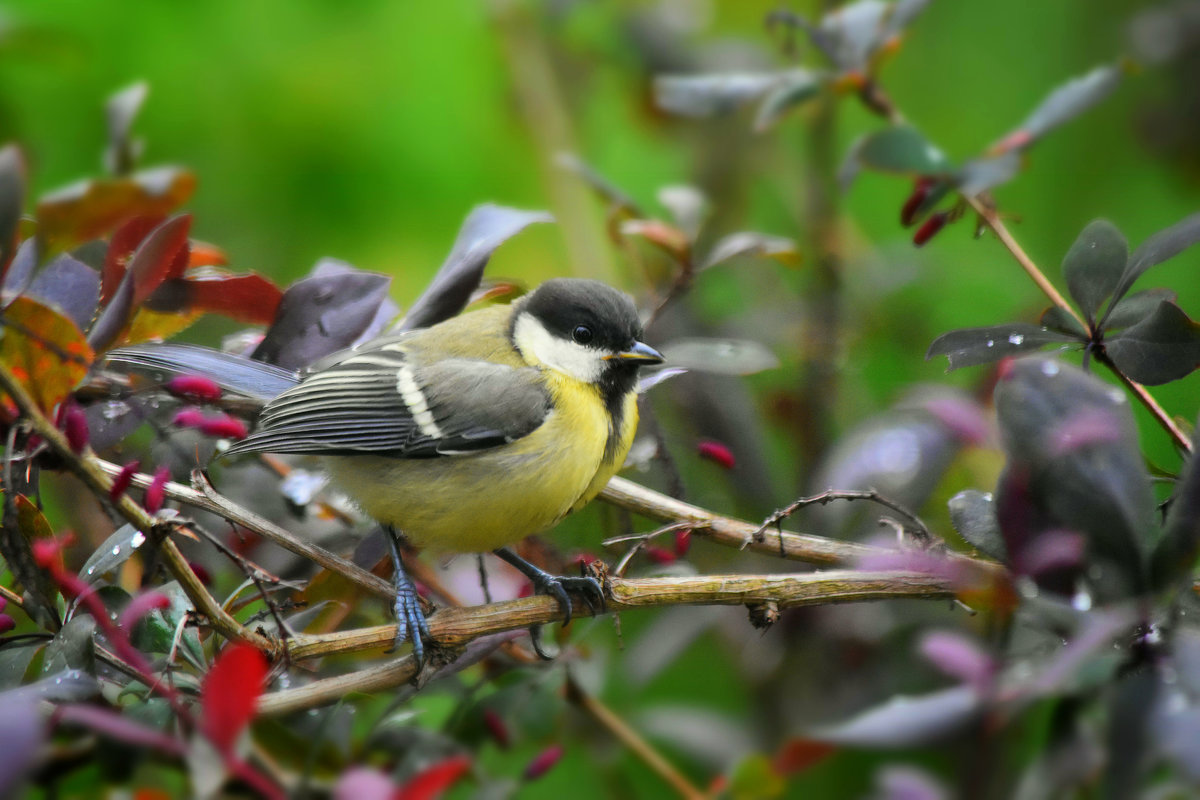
237 374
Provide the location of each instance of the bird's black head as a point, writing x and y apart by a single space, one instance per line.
585 329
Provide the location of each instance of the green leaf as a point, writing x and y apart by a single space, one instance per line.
1175 555
1073 454
1160 247
973 514
1162 347
1094 264
1134 308
1059 319
793 89
973 346
903 149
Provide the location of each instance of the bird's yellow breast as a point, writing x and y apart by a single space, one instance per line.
485 500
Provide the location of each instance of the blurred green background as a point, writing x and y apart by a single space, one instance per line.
366 131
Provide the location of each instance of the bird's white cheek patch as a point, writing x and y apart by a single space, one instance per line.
414 398
581 363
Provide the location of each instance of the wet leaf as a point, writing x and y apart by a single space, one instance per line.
73 647
1074 465
45 351
794 88
973 346
973 515
710 95
70 286
1134 308
981 174
486 228
115 551
321 315
720 356
1163 347
903 149
120 111
748 243
907 721
88 209
1094 264
1059 319
1162 246
1175 554
12 202
1064 103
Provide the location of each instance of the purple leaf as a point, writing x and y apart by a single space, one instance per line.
1163 347
486 228
959 657
117 726
69 285
1160 247
1094 264
22 733
364 783
907 721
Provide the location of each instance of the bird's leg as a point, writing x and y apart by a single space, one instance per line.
410 619
557 587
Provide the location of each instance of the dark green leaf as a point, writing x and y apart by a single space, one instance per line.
1094 264
12 202
1059 319
903 149
1164 245
710 95
973 515
1074 465
1134 308
1162 347
972 346
907 721
73 647
15 658
1175 555
1131 706
980 174
793 89
487 227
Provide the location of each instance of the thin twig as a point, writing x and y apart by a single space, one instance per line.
88 468
830 495
1143 395
629 737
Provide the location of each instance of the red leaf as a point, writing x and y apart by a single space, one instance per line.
930 228
156 257
203 254
248 298
124 241
229 694
797 755
432 782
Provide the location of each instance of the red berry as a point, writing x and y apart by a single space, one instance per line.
543 761
188 418
908 212
716 452
120 484
155 492
659 555
683 541
496 727
75 427
224 427
931 227
7 623
196 388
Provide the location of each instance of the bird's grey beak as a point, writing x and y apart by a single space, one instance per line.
640 353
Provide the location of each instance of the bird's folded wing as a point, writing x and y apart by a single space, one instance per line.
383 402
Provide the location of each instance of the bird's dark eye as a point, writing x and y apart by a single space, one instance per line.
582 334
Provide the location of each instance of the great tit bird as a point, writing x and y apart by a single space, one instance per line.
463 437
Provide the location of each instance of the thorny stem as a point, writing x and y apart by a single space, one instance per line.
88 469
